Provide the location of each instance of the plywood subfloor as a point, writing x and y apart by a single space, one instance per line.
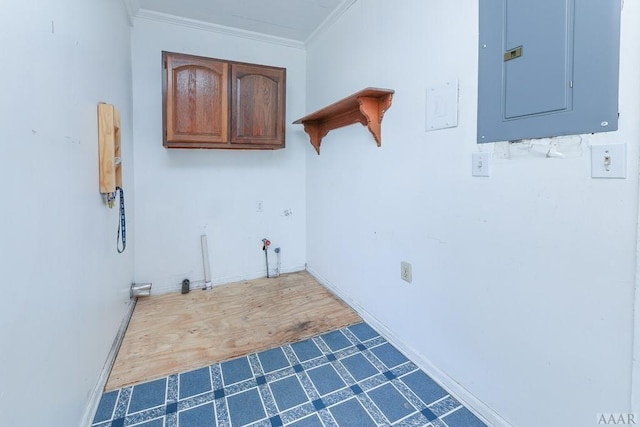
175 333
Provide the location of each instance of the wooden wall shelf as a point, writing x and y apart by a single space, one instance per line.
366 107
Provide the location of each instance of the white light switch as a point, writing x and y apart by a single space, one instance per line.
442 106
609 161
481 164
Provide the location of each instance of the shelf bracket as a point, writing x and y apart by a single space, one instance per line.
373 109
316 132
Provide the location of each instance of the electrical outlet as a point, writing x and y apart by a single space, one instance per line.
481 164
259 206
405 271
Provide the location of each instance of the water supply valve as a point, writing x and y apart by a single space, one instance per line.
265 248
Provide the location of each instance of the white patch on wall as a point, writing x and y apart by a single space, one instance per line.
442 106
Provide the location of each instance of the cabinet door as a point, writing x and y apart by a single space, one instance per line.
196 101
257 105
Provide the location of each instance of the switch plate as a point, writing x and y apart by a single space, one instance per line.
481 164
442 106
609 161
259 206
405 271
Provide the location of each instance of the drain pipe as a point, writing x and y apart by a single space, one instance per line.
277 251
140 290
205 261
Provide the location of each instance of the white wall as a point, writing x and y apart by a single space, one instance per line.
65 288
182 194
523 283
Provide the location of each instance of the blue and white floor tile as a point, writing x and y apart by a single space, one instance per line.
348 377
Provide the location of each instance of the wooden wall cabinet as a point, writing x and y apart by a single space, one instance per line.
213 103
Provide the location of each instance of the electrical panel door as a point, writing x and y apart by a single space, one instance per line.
547 68
537 60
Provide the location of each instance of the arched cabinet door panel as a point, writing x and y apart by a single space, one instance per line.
258 105
196 99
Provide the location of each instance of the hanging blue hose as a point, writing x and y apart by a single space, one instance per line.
122 225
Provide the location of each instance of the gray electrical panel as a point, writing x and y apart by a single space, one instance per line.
547 68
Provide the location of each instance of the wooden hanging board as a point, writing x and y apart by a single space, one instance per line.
109 148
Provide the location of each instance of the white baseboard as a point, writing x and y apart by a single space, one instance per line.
475 405
165 288
635 385
97 392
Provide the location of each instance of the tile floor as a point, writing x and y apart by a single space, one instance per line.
348 377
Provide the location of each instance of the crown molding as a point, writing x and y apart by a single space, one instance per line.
132 7
214 28
330 20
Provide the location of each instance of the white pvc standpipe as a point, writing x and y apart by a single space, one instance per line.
205 261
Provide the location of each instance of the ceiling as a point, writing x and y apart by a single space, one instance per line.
289 19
